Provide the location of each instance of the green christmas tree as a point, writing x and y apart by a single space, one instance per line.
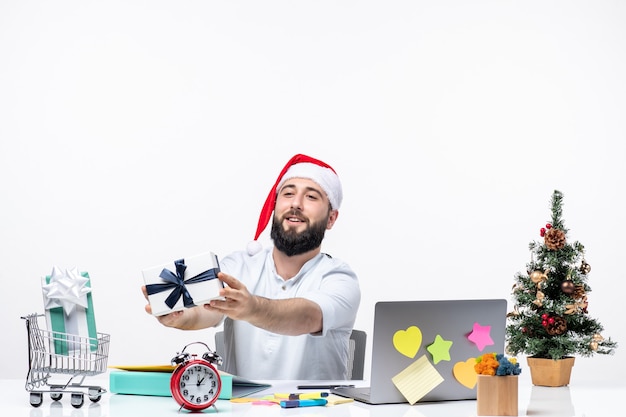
551 317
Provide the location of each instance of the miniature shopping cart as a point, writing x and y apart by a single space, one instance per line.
67 355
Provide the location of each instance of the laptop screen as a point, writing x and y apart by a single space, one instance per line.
426 350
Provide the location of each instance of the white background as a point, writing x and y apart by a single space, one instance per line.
133 133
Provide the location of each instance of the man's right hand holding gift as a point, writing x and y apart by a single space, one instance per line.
187 319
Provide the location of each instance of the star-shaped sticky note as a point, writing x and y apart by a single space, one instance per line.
440 349
480 336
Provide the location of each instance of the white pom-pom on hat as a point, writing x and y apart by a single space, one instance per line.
253 247
300 166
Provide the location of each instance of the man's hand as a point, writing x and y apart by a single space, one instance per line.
238 303
188 319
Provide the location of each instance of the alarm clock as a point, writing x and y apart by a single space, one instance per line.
195 382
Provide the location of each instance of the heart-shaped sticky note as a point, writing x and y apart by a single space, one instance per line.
464 373
408 341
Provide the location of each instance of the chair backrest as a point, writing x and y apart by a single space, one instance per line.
356 352
219 344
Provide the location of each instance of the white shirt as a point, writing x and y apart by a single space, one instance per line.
255 353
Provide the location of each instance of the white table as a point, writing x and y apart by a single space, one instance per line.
579 399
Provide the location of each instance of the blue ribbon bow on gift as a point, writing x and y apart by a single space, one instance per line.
177 283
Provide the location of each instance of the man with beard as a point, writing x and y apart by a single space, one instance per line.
288 310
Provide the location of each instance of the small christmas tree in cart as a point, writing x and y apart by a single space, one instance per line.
550 321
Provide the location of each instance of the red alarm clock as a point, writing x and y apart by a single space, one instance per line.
196 383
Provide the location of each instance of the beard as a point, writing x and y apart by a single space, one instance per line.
293 243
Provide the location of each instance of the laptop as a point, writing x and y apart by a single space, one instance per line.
417 336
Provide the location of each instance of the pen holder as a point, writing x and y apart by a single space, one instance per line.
496 395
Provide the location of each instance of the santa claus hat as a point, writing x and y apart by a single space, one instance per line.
299 166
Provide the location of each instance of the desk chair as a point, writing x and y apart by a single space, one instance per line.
356 352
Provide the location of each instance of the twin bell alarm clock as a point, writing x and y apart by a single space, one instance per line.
195 382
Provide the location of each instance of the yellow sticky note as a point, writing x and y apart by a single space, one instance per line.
417 380
336 399
408 341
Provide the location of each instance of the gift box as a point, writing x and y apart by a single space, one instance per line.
183 283
69 311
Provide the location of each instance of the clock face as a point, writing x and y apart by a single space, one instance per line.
195 385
